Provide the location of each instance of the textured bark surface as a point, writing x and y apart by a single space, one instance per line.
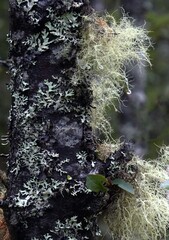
52 148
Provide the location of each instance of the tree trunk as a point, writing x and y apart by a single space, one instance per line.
52 148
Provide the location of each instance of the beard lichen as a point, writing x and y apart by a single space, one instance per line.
144 215
106 48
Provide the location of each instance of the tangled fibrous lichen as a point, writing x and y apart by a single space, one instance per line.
144 215
106 47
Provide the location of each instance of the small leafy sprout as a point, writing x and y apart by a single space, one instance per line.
123 185
99 183
96 183
165 185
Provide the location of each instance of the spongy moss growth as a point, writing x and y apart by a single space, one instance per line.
106 47
144 215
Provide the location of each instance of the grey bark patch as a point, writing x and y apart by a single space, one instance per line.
68 133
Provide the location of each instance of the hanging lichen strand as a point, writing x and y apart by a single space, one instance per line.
51 143
144 215
107 47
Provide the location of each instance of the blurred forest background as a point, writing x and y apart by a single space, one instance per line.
143 115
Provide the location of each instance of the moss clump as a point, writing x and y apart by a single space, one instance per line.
106 47
144 215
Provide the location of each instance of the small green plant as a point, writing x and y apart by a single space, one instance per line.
96 183
99 183
123 185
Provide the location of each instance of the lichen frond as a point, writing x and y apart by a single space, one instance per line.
106 47
144 215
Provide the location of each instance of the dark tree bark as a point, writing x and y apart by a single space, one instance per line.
52 148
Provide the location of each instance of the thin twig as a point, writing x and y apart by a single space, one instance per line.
4 63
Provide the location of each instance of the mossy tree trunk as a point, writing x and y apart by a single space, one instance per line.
52 148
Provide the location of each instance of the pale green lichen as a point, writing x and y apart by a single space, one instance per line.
37 192
68 229
49 95
40 41
28 8
144 215
82 159
19 104
57 29
59 167
106 47
78 187
28 4
31 156
47 236
71 228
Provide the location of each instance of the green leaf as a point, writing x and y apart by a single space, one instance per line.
165 184
123 185
95 182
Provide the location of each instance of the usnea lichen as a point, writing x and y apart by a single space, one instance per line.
144 215
106 48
